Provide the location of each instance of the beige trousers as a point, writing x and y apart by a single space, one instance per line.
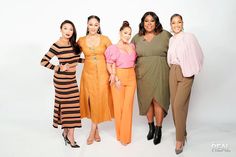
180 90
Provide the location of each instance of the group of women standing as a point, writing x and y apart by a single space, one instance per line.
162 67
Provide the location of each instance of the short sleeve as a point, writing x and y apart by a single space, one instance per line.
166 36
170 51
79 41
133 47
107 41
169 35
134 39
111 54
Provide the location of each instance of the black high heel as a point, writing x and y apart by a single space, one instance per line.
65 139
73 146
157 135
151 131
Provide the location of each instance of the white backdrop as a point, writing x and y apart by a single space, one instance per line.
28 28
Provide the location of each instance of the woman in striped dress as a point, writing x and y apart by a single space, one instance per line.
67 103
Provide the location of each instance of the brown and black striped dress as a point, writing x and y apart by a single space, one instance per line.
67 103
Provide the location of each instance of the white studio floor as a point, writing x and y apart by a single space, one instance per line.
26 111
26 133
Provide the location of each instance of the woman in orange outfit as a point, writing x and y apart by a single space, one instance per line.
95 95
120 64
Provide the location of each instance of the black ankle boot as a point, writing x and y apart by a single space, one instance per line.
151 131
157 135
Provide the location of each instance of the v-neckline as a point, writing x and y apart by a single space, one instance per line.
93 48
150 40
125 52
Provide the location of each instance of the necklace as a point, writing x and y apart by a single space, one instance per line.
92 42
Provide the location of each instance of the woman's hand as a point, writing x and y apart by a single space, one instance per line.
117 84
64 67
112 79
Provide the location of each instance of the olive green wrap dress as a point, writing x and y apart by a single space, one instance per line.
152 71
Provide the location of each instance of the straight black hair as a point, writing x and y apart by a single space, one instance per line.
72 39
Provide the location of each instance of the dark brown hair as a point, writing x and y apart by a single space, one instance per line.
158 27
124 25
72 39
176 15
98 19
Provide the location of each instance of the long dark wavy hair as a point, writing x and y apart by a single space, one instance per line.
72 39
98 19
158 27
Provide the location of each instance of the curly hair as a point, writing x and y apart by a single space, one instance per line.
158 27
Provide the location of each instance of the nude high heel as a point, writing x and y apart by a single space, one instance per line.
97 138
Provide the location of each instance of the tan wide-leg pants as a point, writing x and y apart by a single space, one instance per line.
180 90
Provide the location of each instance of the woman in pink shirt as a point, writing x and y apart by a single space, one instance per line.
185 59
120 60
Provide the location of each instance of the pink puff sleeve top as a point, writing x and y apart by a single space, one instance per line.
120 58
184 50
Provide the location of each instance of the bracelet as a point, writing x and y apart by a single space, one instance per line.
116 79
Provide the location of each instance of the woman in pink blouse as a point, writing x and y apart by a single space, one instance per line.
120 60
185 59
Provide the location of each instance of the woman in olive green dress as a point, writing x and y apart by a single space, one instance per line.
152 73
